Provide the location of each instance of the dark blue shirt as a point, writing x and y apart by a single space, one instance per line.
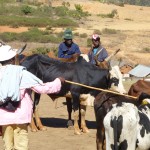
65 52
101 56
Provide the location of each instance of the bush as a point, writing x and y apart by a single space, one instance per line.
41 50
97 32
84 35
146 50
61 11
55 50
109 31
64 22
78 8
89 42
76 34
26 9
110 15
33 35
7 36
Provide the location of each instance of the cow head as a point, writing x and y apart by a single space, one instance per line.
116 83
85 56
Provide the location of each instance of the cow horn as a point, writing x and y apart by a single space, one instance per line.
19 51
113 54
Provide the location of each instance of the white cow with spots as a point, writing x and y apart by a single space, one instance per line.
127 127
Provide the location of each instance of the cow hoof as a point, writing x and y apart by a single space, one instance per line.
85 131
43 128
34 130
77 132
70 125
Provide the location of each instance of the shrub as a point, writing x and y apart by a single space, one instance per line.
60 35
61 11
76 34
64 22
109 31
89 42
78 8
97 32
128 19
84 35
55 50
66 4
110 15
41 50
146 50
26 9
7 36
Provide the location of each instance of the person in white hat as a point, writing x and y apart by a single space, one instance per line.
97 49
15 98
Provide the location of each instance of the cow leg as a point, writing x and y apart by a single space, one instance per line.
100 139
76 113
32 125
36 114
77 130
38 120
83 123
69 109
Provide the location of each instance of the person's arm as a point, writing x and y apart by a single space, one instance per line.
77 49
49 87
102 55
60 51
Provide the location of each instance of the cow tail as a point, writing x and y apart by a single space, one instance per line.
115 128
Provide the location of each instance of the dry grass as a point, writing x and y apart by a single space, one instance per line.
132 23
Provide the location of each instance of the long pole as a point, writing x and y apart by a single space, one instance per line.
99 89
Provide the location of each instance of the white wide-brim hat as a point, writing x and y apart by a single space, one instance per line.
7 52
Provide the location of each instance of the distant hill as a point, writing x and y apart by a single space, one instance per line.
131 2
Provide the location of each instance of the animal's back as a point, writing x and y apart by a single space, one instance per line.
120 127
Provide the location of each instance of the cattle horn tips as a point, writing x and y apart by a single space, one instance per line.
21 49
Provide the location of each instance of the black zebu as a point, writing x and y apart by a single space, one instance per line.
48 69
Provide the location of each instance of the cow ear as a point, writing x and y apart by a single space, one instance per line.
19 51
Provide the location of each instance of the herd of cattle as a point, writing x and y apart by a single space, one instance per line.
123 123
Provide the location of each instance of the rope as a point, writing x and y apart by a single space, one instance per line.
99 89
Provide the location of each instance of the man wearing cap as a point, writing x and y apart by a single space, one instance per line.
15 98
97 49
68 47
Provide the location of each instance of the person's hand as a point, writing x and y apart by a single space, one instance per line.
62 79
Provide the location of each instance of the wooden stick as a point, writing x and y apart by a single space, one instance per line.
99 89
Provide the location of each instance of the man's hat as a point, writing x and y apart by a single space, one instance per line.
68 34
7 52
